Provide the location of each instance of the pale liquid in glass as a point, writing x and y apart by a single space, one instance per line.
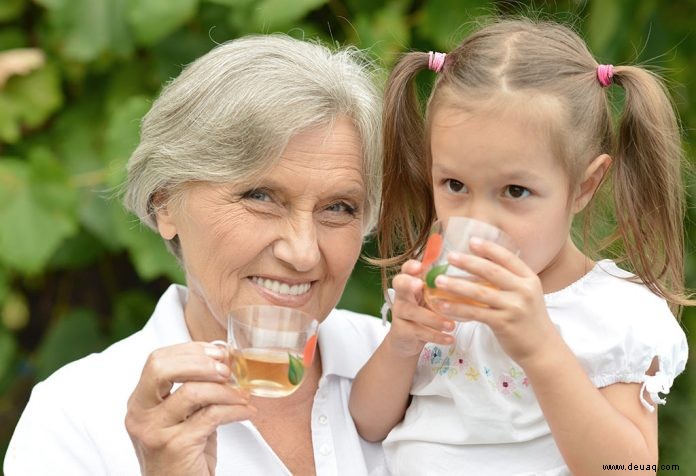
264 372
433 296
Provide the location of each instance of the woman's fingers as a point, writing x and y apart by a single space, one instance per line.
190 397
197 361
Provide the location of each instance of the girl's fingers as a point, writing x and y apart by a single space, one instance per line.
412 267
476 293
500 255
408 288
424 318
483 269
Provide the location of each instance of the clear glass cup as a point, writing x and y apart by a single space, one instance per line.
270 348
454 234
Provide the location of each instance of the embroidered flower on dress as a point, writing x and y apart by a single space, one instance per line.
472 374
506 384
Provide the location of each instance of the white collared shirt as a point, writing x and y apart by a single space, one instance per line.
74 421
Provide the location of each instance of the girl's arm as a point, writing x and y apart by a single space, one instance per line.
591 427
380 392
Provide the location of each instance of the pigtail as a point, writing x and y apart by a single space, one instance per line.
405 216
648 191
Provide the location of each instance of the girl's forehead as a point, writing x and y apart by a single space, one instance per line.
530 106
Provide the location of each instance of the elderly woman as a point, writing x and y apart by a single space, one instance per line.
260 168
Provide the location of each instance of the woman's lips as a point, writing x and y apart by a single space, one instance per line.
282 292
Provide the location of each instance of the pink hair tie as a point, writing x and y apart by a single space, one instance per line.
604 74
436 61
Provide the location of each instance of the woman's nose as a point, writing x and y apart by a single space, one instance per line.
298 246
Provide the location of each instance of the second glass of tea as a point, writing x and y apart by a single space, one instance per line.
454 234
271 348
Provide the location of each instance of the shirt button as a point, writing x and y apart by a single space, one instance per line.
323 419
324 450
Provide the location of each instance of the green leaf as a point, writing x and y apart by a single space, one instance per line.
131 311
8 352
11 9
11 37
27 101
433 273
36 212
270 15
73 336
146 248
444 22
15 311
231 3
123 130
82 30
385 32
603 22
99 214
76 252
295 370
153 20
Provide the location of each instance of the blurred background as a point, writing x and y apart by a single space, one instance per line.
76 76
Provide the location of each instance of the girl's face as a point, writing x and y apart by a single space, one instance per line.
290 239
502 170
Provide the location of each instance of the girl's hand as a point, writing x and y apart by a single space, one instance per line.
412 324
174 433
513 308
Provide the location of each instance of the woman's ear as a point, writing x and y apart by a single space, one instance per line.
166 223
594 173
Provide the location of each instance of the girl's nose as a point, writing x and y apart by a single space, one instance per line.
297 245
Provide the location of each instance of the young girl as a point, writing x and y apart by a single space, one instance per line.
560 370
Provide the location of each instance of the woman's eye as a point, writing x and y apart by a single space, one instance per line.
341 207
516 191
455 186
256 194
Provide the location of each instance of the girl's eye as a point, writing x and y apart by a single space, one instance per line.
257 194
516 191
455 186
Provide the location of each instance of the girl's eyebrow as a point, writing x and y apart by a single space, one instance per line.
511 176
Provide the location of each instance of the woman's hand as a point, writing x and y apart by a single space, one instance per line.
412 324
513 307
174 432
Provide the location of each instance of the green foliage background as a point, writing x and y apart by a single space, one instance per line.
77 273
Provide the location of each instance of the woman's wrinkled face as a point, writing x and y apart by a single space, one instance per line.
291 238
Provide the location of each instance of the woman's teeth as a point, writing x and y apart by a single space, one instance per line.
282 288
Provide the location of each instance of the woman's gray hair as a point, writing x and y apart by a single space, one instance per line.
230 114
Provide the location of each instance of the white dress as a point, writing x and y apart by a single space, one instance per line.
74 422
473 411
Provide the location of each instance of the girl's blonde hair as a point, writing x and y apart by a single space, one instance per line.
545 60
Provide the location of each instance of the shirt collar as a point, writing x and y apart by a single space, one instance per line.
168 325
344 349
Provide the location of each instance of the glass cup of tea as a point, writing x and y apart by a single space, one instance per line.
454 234
270 348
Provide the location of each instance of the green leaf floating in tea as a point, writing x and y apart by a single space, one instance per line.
295 370
434 272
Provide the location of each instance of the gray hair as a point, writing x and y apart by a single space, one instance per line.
231 113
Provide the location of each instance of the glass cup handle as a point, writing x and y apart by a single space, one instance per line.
229 359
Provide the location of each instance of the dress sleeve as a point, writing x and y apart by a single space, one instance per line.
618 329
